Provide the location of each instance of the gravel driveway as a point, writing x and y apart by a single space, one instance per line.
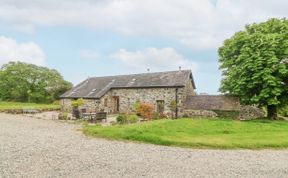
45 148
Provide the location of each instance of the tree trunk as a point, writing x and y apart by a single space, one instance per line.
272 112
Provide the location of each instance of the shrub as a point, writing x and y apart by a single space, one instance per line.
173 105
126 118
57 102
283 111
185 115
156 115
146 110
136 105
132 118
63 116
163 115
227 114
113 123
78 102
121 119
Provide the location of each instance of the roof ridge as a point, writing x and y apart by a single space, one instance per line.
121 75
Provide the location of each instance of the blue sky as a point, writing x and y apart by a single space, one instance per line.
108 37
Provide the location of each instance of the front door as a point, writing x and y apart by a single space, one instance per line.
115 104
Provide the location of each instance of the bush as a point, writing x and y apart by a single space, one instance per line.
185 115
156 115
78 102
227 114
57 102
133 118
173 105
63 116
113 123
146 110
163 115
136 105
283 111
121 119
125 119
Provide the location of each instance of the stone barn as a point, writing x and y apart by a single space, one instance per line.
118 94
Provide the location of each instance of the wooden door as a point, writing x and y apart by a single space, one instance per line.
116 104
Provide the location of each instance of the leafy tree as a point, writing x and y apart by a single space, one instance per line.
30 83
254 65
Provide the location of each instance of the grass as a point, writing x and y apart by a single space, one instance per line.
18 105
202 133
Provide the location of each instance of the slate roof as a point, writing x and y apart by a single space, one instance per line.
96 87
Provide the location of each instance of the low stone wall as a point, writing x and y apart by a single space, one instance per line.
212 102
211 106
198 113
250 112
245 113
20 111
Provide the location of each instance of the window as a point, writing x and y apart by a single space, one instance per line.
105 102
160 106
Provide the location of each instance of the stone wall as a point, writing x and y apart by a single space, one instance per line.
198 113
250 112
127 98
212 102
188 90
66 105
90 105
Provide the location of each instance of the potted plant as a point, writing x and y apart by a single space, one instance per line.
75 107
173 107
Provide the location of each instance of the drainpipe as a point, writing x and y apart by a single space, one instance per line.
176 100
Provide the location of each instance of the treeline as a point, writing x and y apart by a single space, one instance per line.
30 83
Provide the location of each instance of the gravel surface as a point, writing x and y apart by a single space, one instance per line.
32 147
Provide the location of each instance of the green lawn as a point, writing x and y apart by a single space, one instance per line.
18 105
204 133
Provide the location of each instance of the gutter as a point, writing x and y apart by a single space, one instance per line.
176 100
87 97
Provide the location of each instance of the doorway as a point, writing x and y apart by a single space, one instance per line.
116 104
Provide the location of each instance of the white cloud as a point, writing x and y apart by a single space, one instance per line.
197 24
28 52
89 54
154 59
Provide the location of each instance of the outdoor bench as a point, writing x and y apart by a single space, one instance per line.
30 111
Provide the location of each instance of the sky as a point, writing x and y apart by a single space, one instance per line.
86 38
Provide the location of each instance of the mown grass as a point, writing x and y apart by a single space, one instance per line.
201 133
18 105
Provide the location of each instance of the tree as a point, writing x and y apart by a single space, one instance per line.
30 83
254 65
